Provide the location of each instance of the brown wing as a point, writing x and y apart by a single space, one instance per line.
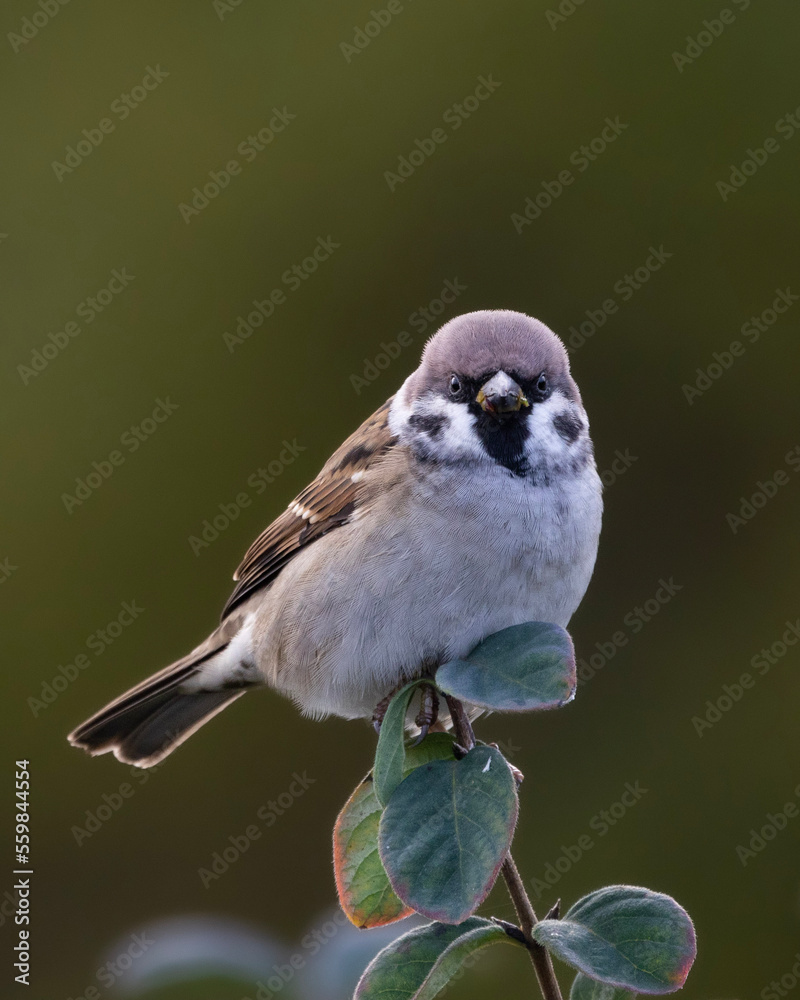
326 503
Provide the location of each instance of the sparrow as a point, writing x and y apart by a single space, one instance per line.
467 503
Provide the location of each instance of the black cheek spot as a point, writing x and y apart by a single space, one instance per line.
429 423
568 426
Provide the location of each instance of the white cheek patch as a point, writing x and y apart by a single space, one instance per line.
439 427
544 441
399 411
458 437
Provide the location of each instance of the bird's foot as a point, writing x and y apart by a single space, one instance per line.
428 714
380 712
383 705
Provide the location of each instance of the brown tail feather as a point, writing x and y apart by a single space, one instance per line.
146 733
150 720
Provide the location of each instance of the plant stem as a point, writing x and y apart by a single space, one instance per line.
540 957
462 727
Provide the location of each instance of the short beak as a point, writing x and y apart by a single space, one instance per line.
501 394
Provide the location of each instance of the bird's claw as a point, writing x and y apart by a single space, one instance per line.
423 732
427 716
380 710
428 711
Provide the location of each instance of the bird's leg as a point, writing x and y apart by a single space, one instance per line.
428 711
380 712
383 704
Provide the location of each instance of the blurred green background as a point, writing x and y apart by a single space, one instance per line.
67 573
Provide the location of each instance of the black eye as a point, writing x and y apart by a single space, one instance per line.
541 384
455 385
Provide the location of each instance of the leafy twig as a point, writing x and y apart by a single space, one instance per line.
542 964
540 958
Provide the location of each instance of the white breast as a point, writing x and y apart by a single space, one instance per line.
438 561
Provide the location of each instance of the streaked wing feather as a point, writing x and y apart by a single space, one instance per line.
328 501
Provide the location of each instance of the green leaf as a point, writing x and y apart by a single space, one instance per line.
419 964
435 746
587 989
390 754
624 936
363 886
519 669
364 891
446 832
